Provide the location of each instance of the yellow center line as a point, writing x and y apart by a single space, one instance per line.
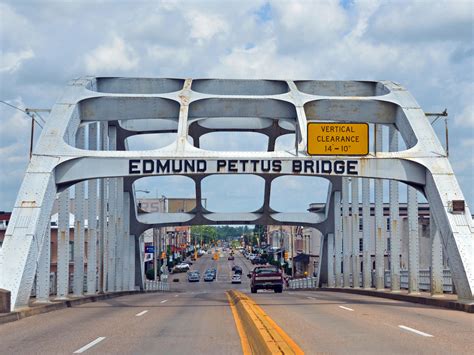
261 332
240 329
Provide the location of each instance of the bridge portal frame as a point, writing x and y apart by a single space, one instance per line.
191 108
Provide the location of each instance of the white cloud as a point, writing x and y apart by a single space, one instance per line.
466 118
11 61
205 26
115 56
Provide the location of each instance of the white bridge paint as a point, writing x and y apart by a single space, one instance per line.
127 106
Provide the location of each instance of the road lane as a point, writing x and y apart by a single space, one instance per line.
195 318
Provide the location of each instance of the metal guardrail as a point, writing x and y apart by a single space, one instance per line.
424 281
151 285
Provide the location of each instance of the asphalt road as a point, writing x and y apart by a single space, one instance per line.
195 318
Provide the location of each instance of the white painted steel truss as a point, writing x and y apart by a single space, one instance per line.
105 111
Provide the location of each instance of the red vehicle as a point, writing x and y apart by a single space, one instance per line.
266 277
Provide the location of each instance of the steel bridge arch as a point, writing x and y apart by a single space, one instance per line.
122 107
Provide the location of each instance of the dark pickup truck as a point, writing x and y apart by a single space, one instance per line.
266 277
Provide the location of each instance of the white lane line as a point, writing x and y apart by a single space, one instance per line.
163 301
415 331
346 308
291 293
176 295
141 313
88 346
311 298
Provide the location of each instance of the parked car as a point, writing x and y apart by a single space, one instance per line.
268 277
193 276
236 279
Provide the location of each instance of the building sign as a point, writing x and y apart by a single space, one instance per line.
230 166
328 138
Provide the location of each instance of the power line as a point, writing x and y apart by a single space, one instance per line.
29 112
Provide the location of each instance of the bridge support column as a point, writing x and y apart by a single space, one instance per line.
366 241
338 237
379 221
436 260
355 233
346 232
413 241
92 221
330 258
103 213
43 272
126 243
131 256
394 221
119 236
112 231
62 273
78 281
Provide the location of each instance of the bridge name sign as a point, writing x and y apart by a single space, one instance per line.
242 166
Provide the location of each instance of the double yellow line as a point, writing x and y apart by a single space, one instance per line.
259 334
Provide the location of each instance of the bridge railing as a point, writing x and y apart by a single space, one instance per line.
424 281
151 285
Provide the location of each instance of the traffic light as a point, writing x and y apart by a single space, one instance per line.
286 255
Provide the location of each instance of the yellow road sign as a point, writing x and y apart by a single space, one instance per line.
329 138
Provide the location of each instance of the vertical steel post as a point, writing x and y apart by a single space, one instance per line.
330 258
111 231
394 220
346 232
366 241
92 220
62 274
338 237
436 260
125 242
119 236
103 215
379 221
131 251
413 241
79 197
355 233
43 271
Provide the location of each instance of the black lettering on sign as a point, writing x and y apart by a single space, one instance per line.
148 166
233 166
276 165
326 167
221 164
201 166
296 166
160 167
133 167
352 167
339 167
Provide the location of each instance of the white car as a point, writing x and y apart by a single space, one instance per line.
236 279
185 266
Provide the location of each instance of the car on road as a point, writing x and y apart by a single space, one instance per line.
212 271
268 277
237 269
193 276
231 257
182 267
259 261
236 279
208 276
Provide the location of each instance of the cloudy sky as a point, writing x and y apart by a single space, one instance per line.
426 46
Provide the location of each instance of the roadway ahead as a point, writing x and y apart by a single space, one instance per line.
196 318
